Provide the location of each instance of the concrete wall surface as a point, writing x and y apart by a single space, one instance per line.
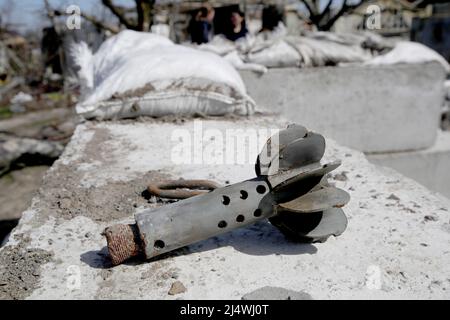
372 109
396 244
430 167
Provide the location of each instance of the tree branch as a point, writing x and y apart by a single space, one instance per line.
325 10
140 14
50 13
310 8
344 9
119 13
312 12
100 24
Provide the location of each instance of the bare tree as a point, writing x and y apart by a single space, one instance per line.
53 13
142 20
324 18
139 17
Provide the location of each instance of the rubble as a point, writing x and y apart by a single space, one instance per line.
18 102
15 151
54 125
177 288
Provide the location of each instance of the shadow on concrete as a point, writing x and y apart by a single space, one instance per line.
259 239
6 227
97 259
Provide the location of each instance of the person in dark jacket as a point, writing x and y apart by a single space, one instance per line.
271 17
238 28
200 27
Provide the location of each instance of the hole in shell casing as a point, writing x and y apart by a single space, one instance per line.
159 244
261 189
222 224
244 194
226 200
257 213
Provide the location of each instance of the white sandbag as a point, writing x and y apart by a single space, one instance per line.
218 45
237 62
276 49
183 97
365 39
323 51
359 38
278 55
447 89
231 52
161 29
409 52
133 60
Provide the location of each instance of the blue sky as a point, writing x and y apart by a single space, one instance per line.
28 14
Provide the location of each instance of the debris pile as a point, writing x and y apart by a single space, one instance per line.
15 151
36 122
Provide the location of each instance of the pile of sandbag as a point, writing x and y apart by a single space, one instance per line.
277 49
409 52
315 49
143 74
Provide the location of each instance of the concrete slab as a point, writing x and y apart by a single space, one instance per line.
396 245
430 167
372 109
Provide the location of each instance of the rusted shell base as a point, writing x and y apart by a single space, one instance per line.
123 242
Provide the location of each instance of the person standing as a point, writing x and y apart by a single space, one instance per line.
238 28
201 25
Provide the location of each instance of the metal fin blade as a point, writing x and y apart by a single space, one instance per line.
287 178
290 148
291 133
302 152
333 223
312 227
317 200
